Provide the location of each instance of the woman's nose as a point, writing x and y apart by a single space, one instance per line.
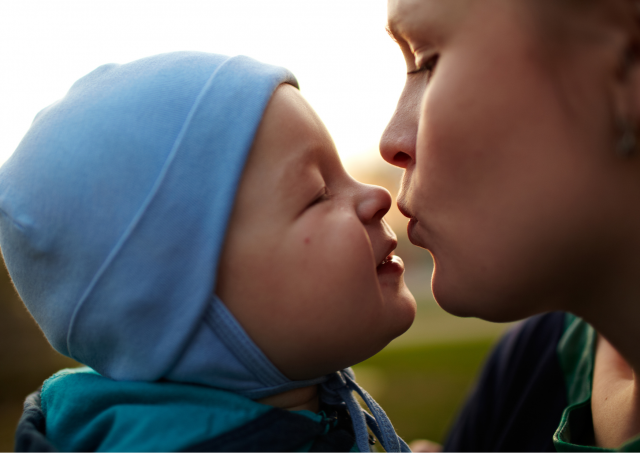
373 204
398 142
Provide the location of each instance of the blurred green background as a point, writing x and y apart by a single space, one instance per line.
421 387
26 359
420 379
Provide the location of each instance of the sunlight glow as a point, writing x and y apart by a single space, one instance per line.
348 68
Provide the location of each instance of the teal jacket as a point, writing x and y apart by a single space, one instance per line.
80 410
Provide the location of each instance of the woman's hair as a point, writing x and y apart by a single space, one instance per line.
566 21
568 30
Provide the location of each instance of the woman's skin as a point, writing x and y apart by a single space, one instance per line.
508 130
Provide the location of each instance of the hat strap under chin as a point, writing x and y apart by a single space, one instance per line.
339 390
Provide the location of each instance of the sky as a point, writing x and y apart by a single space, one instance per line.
349 69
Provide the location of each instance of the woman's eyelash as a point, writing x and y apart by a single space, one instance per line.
427 66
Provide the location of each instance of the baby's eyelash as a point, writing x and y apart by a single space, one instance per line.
322 196
427 66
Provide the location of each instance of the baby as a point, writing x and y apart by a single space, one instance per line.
183 226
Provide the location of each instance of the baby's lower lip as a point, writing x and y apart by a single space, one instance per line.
391 265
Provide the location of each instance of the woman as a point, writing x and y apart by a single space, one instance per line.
517 131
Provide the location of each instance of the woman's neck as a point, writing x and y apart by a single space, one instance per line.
615 401
615 397
305 398
615 315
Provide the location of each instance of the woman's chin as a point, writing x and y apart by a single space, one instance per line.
469 301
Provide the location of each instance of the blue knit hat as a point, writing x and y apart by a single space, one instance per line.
113 214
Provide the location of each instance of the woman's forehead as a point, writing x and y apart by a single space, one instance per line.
408 17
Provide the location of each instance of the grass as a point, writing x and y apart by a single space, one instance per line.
422 387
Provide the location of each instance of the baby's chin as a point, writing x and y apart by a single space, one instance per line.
399 314
402 308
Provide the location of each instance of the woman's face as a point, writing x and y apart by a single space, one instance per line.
512 181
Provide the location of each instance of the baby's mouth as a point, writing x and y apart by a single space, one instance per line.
388 258
391 264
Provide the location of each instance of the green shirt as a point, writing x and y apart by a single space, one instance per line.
576 352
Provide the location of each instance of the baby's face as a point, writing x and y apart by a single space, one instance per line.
305 267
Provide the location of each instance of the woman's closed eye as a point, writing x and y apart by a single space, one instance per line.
428 66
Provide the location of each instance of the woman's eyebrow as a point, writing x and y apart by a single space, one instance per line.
389 28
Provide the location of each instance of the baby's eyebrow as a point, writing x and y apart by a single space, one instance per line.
296 165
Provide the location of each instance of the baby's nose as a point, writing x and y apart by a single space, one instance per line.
374 203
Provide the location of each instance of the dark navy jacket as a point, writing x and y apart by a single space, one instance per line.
518 401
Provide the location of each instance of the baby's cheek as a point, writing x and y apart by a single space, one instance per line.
329 307
334 267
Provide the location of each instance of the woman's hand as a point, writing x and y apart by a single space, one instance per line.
424 445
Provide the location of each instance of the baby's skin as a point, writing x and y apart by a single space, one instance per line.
308 266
